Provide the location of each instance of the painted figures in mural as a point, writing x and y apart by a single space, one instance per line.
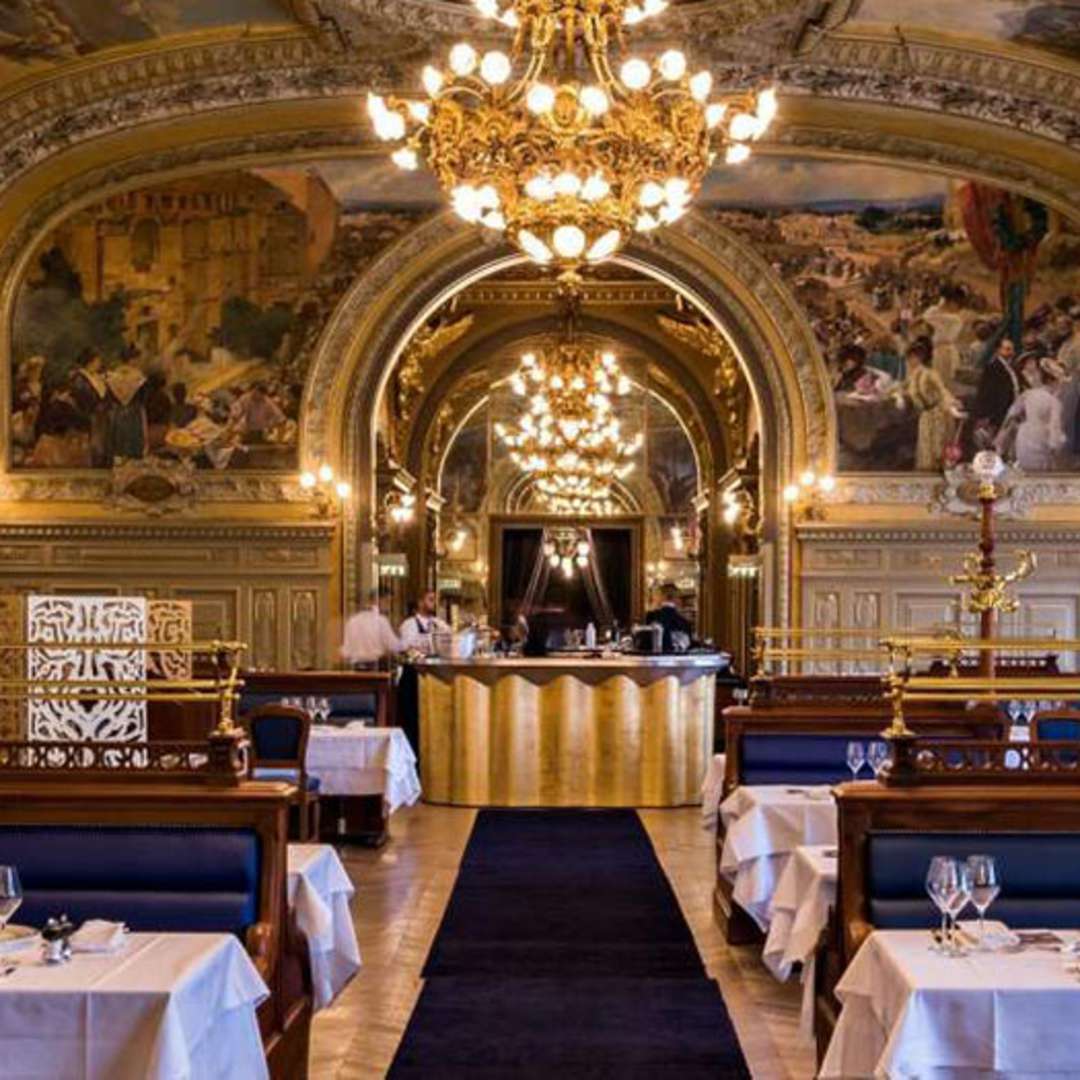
179 321
950 322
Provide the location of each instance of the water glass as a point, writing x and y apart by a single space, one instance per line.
11 894
878 756
985 885
324 709
856 758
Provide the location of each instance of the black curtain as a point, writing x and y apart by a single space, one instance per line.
613 549
520 552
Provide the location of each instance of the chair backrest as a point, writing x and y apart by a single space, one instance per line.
279 736
1059 724
153 877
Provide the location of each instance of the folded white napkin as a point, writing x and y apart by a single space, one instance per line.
98 936
996 935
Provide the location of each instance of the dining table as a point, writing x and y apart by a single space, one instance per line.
160 1007
355 759
763 825
320 892
804 895
908 1010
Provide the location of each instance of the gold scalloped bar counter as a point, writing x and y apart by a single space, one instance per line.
553 731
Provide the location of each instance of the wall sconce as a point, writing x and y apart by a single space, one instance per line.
743 567
401 507
807 497
327 493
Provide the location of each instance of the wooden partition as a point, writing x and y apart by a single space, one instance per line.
137 797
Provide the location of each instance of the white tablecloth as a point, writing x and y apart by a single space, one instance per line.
166 1007
319 893
800 909
764 824
711 790
909 1012
359 760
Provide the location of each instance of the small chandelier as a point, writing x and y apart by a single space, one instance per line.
567 437
550 145
566 548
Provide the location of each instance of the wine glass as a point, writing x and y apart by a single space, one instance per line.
856 758
11 894
985 886
941 879
878 756
959 898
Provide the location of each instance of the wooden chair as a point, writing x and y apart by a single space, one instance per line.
279 740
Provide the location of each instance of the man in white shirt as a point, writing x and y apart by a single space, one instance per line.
417 629
368 635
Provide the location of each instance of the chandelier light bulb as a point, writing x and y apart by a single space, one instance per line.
767 106
652 194
654 7
326 474
633 15
540 99
432 78
595 188
605 247
569 241
488 8
827 483
791 493
677 191
420 111
635 74
567 183
737 153
554 560
744 126
540 188
701 85
307 480
462 59
714 113
495 68
405 158
594 101
646 223
807 479
343 489
466 203
510 18
672 65
534 247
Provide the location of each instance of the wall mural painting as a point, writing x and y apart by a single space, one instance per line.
948 311
178 321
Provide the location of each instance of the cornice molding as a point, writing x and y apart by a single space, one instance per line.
910 489
314 533
961 534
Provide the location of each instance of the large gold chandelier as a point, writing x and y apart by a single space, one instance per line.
547 143
567 438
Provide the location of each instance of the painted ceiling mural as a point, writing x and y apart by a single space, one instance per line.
1046 24
948 312
178 321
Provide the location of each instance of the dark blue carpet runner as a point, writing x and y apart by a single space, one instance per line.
563 952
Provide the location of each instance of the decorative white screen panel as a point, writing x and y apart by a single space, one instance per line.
106 619
169 624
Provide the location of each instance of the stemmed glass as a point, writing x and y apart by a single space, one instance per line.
878 756
856 758
324 709
947 885
985 886
11 894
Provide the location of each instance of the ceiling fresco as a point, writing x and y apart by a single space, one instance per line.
1046 25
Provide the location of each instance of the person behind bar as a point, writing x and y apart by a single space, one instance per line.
669 616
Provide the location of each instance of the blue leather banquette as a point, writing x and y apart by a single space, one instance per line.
153 877
343 706
1040 874
801 757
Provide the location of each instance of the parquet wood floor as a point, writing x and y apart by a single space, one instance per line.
401 893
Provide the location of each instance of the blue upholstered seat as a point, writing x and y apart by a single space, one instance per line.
796 758
152 878
1059 727
1040 875
292 776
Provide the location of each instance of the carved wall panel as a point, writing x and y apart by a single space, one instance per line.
263 628
12 663
106 619
302 630
169 624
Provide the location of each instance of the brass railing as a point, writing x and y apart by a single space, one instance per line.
221 687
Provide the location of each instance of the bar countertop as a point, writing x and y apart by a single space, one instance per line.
714 661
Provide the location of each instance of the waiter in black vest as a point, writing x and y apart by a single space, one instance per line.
669 616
